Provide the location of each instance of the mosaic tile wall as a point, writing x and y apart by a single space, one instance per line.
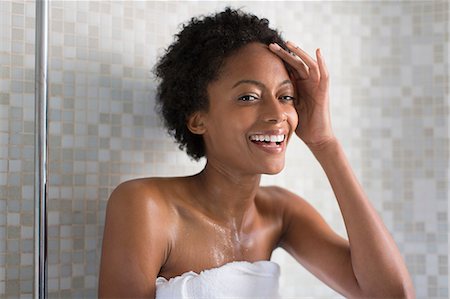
16 148
389 68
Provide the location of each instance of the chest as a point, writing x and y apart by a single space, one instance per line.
201 245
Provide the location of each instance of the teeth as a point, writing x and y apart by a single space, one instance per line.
267 138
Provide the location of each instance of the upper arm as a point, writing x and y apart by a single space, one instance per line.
134 246
311 241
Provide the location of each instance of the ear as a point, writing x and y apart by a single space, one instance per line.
196 123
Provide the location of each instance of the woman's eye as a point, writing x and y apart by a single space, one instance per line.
248 98
287 98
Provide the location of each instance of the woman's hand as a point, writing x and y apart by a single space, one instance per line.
311 80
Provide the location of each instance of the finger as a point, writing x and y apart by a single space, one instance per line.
294 61
294 77
294 73
324 75
310 62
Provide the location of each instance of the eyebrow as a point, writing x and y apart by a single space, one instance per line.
258 83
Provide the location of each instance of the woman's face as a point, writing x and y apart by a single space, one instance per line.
251 113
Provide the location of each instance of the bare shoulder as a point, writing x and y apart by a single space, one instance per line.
150 196
281 198
138 190
294 210
134 244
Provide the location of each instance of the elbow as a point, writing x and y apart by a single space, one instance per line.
409 292
404 291
393 288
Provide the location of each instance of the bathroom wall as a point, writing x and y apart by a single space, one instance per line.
16 148
389 98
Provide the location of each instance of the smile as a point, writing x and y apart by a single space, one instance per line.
268 138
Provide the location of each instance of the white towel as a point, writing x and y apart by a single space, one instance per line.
233 280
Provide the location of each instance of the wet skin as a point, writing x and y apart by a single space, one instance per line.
225 215
169 226
222 214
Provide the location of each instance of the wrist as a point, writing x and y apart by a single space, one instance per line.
323 146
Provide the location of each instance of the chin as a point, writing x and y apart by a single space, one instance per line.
274 168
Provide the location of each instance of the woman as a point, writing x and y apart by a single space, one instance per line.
233 91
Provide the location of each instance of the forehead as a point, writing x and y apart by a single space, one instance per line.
254 59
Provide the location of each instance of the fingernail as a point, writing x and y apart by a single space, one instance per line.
275 47
292 44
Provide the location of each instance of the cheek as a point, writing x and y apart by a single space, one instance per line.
227 128
236 120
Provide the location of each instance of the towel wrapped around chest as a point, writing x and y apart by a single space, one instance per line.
233 280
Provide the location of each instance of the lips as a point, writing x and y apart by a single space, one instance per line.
270 142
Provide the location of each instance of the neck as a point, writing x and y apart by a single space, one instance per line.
225 195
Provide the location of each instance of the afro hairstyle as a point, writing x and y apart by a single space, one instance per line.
194 60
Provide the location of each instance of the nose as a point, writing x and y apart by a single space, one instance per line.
273 110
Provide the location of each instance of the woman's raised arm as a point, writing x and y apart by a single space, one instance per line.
368 264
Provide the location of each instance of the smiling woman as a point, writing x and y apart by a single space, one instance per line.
232 91
253 98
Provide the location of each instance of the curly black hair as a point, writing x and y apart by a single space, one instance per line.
194 60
